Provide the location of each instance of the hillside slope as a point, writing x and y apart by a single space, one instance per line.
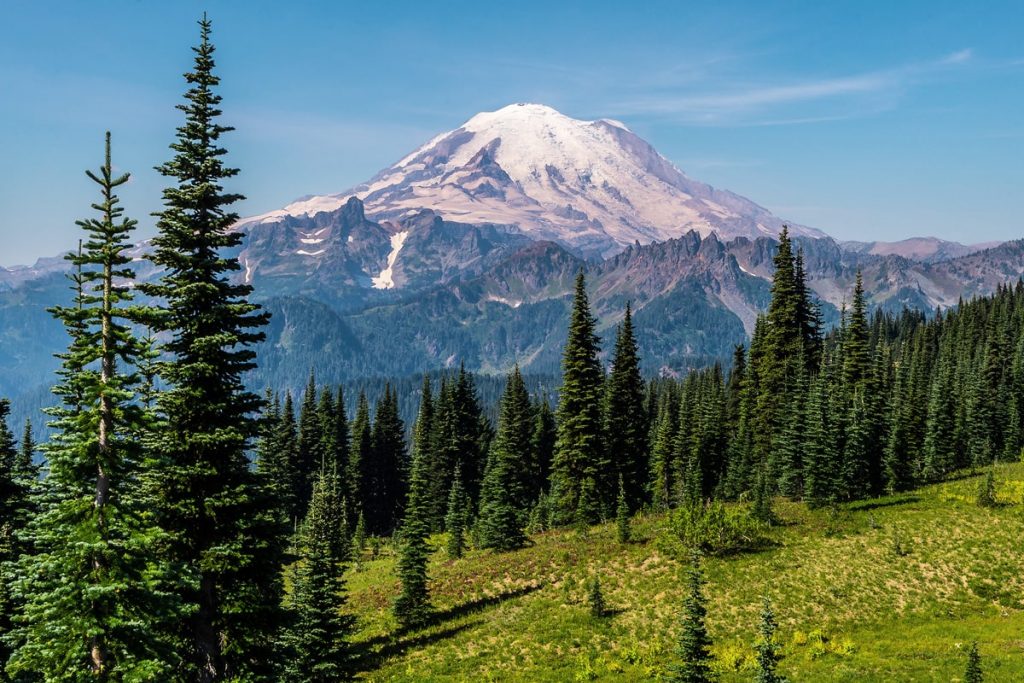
849 608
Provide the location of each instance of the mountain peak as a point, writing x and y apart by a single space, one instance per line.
531 113
593 186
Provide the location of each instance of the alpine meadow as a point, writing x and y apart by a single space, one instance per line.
530 403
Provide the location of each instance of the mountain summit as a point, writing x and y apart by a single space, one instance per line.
593 186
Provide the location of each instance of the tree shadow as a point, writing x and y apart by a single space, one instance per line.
467 608
866 505
369 655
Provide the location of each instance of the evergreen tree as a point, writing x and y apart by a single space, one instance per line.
310 437
793 440
359 539
768 655
384 474
625 422
897 464
856 358
361 457
317 651
762 509
423 442
326 428
987 490
781 347
15 513
276 458
859 448
456 518
693 651
808 315
820 471
663 467
93 593
622 531
595 598
542 449
503 507
973 673
216 509
25 467
412 607
580 461
341 442
469 437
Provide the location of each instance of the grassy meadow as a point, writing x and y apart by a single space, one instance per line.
891 589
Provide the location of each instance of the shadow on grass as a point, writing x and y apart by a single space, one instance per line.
865 505
369 655
467 608
762 545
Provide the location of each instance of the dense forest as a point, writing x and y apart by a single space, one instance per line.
183 527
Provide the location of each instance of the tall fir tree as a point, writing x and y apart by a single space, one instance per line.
808 315
580 461
309 447
469 437
664 473
16 509
542 449
341 446
625 420
361 457
423 442
821 462
898 470
217 511
25 467
281 464
503 505
783 342
384 485
444 458
856 354
792 440
94 593
456 518
412 607
316 639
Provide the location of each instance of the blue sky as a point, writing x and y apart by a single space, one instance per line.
869 120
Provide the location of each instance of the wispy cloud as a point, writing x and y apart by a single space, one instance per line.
959 57
765 104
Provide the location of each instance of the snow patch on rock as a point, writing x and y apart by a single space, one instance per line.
386 280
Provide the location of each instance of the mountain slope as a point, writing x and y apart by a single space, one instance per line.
593 186
929 249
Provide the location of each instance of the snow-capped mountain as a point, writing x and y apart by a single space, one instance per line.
468 248
593 186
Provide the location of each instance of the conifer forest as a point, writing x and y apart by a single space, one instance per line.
835 496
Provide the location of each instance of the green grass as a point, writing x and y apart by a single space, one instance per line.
850 607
